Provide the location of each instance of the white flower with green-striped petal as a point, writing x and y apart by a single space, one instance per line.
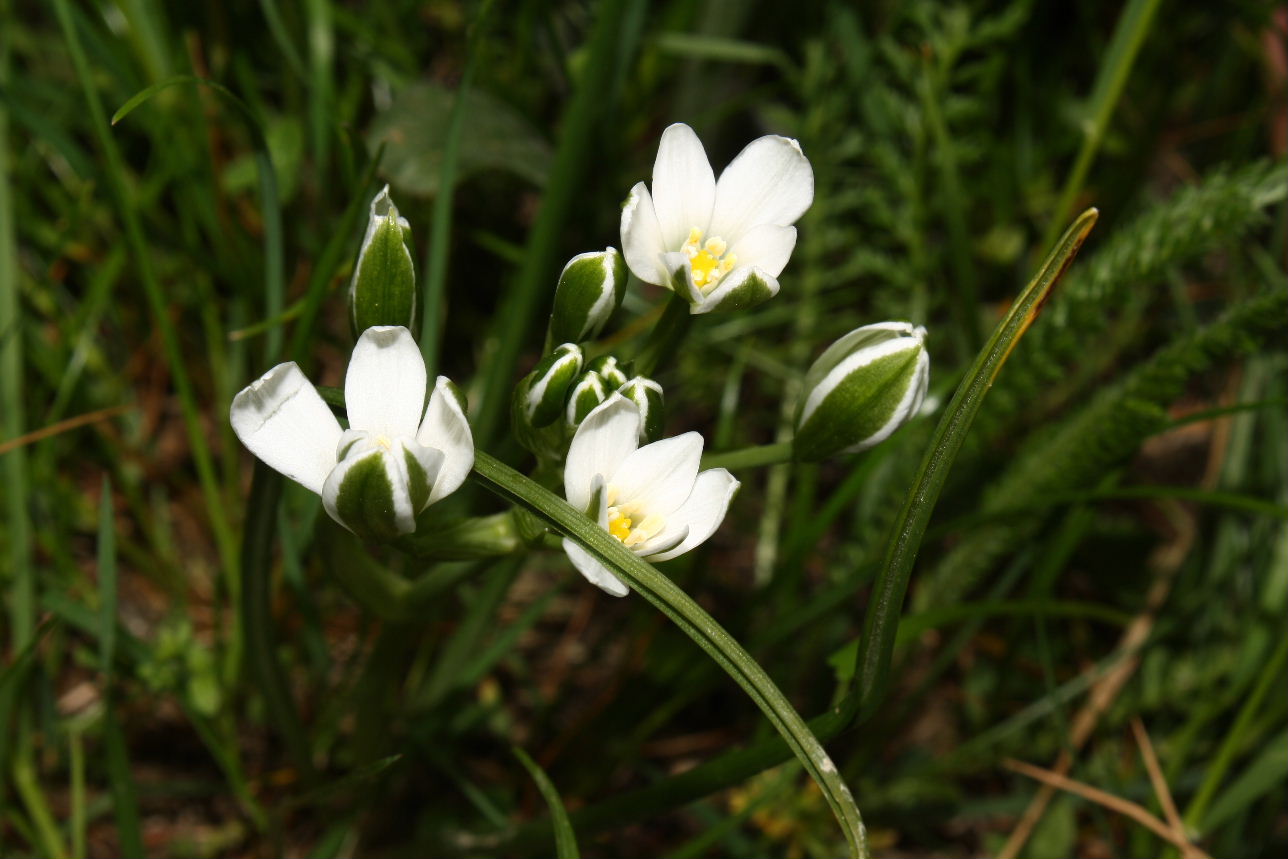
397 457
720 244
651 498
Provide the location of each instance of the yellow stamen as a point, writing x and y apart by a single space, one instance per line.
707 260
620 527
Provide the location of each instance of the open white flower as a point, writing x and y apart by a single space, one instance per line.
392 463
722 244
652 498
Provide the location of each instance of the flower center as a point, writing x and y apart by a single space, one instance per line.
707 259
628 523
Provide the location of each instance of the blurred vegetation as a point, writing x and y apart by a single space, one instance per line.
1105 577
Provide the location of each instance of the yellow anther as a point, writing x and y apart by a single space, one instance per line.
705 258
383 441
620 528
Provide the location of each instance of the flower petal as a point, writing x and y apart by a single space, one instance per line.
607 436
702 512
642 237
740 289
368 494
679 273
282 420
593 570
765 246
658 476
770 182
384 389
446 429
684 187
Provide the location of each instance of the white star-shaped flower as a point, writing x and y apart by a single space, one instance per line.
721 244
651 498
397 457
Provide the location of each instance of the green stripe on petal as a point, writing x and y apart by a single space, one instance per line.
359 495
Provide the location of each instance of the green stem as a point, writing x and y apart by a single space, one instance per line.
256 610
693 620
464 539
667 335
886 602
750 457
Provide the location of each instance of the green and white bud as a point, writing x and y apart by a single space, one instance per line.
548 386
610 372
585 395
591 287
647 397
383 289
861 389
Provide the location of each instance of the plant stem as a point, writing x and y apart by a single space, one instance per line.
750 457
667 335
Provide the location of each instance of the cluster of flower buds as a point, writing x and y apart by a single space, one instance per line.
555 398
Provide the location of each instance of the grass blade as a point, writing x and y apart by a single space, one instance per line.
565 838
1128 36
156 297
881 625
274 280
694 621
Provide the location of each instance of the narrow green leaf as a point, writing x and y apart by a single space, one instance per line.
125 803
565 838
106 582
882 622
693 620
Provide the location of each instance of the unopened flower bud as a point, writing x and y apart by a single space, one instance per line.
610 372
590 288
647 397
584 396
548 388
383 290
861 389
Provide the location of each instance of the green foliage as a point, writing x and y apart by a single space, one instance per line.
163 693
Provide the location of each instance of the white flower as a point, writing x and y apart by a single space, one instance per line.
652 498
391 463
722 243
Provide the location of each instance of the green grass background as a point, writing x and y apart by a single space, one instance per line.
185 676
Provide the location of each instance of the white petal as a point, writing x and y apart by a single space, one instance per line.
642 237
679 273
663 541
593 570
404 518
703 512
282 420
384 389
446 429
770 182
732 282
765 246
659 476
684 188
608 435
